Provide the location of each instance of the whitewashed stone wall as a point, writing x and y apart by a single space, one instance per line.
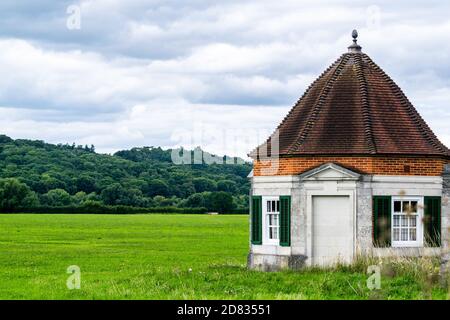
301 188
272 257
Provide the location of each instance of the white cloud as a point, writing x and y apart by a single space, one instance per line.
167 123
84 80
142 72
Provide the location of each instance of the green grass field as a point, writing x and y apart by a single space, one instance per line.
165 257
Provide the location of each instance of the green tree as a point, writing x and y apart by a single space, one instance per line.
113 194
85 183
197 200
118 195
161 201
240 201
204 184
57 198
186 189
51 183
156 187
15 194
5 139
79 198
220 201
227 186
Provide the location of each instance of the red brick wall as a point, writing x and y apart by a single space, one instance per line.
412 166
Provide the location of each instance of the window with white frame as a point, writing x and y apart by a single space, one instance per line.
407 222
272 220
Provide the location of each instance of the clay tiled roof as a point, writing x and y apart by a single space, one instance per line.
354 107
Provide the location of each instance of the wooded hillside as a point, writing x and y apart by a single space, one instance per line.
38 174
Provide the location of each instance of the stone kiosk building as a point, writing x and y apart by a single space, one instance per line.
352 170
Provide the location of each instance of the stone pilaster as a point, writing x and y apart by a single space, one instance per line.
250 194
445 227
298 220
364 216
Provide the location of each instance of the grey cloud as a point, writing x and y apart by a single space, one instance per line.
239 56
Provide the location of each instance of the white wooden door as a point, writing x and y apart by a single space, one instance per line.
332 230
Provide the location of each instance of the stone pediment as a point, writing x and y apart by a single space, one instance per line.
330 171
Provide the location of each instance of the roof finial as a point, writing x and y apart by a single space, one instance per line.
354 47
354 35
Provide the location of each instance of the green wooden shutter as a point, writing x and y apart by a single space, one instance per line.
382 221
285 221
432 221
256 219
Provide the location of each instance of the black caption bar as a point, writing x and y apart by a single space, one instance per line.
216 309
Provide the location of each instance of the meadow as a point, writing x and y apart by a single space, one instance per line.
157 256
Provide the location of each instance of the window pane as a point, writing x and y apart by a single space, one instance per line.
397 206
273 206
404 221
396 235
273 219
412 221
273 233
396 221
404 234
413 206
278 206
268 206
412 234
406 207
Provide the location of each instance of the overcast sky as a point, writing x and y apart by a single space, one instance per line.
221 74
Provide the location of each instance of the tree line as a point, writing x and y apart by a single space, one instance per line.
39 175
